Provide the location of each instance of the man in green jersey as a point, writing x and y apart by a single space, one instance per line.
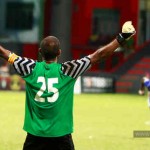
49 90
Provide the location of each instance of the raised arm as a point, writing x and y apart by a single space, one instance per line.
7 55
4 53
22 65
107 50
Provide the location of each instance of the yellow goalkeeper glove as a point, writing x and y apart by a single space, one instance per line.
128 31
128 27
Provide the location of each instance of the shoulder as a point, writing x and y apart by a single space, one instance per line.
75 68
84 60
24 66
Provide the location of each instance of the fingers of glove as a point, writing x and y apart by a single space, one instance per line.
128 27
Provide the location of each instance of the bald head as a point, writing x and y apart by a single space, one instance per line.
50 48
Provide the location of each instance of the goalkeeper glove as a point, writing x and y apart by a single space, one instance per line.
128 31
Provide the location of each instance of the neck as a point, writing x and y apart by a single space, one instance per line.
51 61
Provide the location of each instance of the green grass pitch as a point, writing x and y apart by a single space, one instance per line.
101 121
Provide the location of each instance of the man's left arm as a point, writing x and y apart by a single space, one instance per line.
23 66
5 54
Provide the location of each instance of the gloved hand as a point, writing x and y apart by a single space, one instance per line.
128 31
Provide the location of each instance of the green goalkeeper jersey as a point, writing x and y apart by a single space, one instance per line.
49 94
49 100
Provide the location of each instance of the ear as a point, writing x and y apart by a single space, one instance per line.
59 52
40 50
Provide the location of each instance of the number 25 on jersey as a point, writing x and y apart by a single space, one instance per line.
50 83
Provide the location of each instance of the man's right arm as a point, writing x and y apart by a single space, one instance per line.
76 68
104 52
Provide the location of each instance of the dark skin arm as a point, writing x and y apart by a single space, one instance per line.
98 55
4 53
104 52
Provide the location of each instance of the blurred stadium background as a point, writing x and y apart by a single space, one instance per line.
82 26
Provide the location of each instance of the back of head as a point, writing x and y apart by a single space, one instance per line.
49 47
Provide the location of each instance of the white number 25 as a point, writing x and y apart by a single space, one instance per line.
50 87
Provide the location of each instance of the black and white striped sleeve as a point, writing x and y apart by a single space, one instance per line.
24 66
77 67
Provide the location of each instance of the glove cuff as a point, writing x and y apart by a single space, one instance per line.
122 37
121 40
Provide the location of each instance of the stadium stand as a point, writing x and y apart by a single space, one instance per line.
129 74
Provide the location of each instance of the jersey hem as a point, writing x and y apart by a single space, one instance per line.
58 135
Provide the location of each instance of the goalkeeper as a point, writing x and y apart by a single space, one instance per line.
49 90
